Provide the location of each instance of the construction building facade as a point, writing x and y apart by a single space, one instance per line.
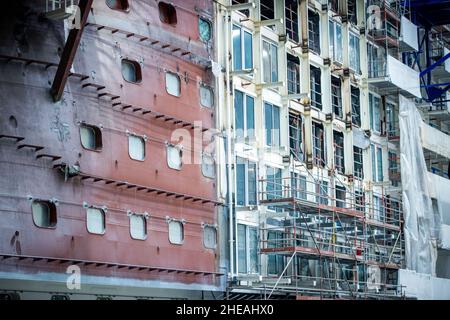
227 149
313 96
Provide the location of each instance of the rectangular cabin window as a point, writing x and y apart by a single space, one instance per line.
242 49
209 237
272 124
336 96
247 249
176 232
375 112
44 213
95 221
293 74
291 15
318 145
322 192
358 162
174 156
244 113
359 201
275 264
336 49
377 163
245 182
206 96
356 106
340 197
91 137
131 71
354 52
173 84
296 136
208 166
339 162
316 87
136 147
138 227
298 186
274 183
314 31
270 62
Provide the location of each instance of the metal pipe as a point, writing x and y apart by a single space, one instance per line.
228 134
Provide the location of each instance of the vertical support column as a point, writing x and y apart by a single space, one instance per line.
305 80
255 15
346 97
363 87
282 74
326 84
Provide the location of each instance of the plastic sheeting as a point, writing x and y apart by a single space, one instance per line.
420 229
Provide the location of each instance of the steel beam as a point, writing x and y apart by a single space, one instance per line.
70 49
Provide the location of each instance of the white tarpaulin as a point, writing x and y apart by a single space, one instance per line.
420 228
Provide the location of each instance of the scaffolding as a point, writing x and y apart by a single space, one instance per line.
331 246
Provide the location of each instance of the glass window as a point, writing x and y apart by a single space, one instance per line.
176 232
293 74
247 249
359 201
340 197
242 49
274 183
136 147
44 214
245 182
379 164
318 145
91 137
339 160
336 97
336 50
208 166
242 248
296 136
358 162
167 13
174 156
204 29
356 106
354 52
375 110
275 264
131 71
270 62
206 96
316 87
253 249
291 15
118 4
95 221
173 84
209 237
272 124
244 112
298 185
138 227
322 192
314 31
